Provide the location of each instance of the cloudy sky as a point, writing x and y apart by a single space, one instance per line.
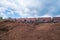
29 8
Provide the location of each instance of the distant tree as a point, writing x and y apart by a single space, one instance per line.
1 18
9 18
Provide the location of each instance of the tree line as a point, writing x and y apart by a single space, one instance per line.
1 18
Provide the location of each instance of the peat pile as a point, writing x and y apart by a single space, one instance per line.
23 31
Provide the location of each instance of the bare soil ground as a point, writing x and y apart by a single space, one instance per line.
25 31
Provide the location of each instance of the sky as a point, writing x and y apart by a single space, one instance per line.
29 8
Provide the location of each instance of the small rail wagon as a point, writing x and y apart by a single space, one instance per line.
56 19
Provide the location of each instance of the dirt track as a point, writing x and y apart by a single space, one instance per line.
22 31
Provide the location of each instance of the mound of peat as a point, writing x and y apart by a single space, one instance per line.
23 31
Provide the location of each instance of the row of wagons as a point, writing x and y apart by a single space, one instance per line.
39 20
